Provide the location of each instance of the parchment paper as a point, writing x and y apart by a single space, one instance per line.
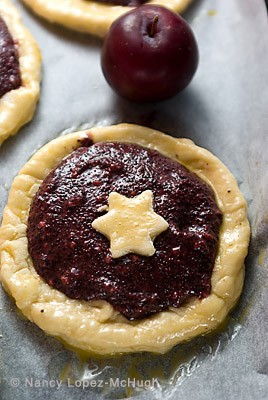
224 110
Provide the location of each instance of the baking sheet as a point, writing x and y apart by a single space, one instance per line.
223 110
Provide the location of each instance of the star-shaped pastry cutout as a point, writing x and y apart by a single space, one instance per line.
131 224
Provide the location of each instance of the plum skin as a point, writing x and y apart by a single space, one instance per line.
149 54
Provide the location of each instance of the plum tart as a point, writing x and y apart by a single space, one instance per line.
93 16
20 62
123 239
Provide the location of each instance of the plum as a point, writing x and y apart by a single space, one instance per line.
149 54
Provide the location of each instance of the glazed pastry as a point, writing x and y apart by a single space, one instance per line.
92 16
123 239
19 72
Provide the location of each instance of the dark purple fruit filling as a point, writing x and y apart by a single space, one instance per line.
10 78
75 259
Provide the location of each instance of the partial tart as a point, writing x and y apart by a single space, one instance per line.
20 72
95 325
90 16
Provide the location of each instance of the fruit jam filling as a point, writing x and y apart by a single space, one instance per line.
10 78
74 258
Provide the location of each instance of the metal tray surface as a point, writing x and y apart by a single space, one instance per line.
224 110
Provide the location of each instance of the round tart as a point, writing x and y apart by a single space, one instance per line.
91 16
19 72
41 215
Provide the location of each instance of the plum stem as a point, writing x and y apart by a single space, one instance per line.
153 26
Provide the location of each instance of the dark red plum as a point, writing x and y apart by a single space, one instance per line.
149 54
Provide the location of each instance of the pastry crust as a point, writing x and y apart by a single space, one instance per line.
89 16
95 325
17 106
